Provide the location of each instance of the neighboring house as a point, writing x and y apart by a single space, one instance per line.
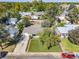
25 14
62 19
34 17
12 21
63 31
12 31
39 13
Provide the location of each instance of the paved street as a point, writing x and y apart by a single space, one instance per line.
34 56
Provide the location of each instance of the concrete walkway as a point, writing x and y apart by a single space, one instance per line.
21 46
61 47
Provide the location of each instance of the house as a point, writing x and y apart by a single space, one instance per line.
39 13
62 19
63 31
12 31
25 14
34 17
12 21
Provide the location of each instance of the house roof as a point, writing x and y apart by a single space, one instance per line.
12 20
61 17
34 17
25 13
62 29
39 13
71 25
66 28
12 30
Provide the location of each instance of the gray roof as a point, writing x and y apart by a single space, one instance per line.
13 30
25 13
12 21
39 13
66 28
33 29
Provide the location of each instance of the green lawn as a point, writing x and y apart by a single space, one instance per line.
67 45
9 48
36 46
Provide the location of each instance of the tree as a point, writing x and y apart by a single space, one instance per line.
73 15
44 36
20 27
48 37
46 23
73 36
25 21
4 36
53 41
71 6
53 10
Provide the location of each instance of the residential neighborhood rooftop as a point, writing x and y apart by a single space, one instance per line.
66 28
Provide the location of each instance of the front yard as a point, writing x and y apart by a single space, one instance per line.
68 46
36 46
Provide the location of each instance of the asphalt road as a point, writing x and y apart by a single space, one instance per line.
43 57
35 57
32 57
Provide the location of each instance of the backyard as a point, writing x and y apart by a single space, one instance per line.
68 46
36 46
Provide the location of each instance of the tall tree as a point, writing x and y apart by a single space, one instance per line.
73 36
73 14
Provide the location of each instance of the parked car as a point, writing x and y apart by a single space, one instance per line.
3 54
77 55
68 55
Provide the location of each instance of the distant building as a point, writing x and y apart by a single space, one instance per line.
62 19
63 31
12 21
25 14
39 13
34 17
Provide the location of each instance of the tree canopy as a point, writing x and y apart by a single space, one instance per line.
73 36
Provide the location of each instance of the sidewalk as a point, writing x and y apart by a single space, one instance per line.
61 47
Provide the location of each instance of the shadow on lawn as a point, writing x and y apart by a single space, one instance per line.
13 42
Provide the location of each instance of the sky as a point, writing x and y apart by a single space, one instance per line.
43 0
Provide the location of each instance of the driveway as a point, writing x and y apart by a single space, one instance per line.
22 45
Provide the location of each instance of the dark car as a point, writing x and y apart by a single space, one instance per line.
68 55
3 54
